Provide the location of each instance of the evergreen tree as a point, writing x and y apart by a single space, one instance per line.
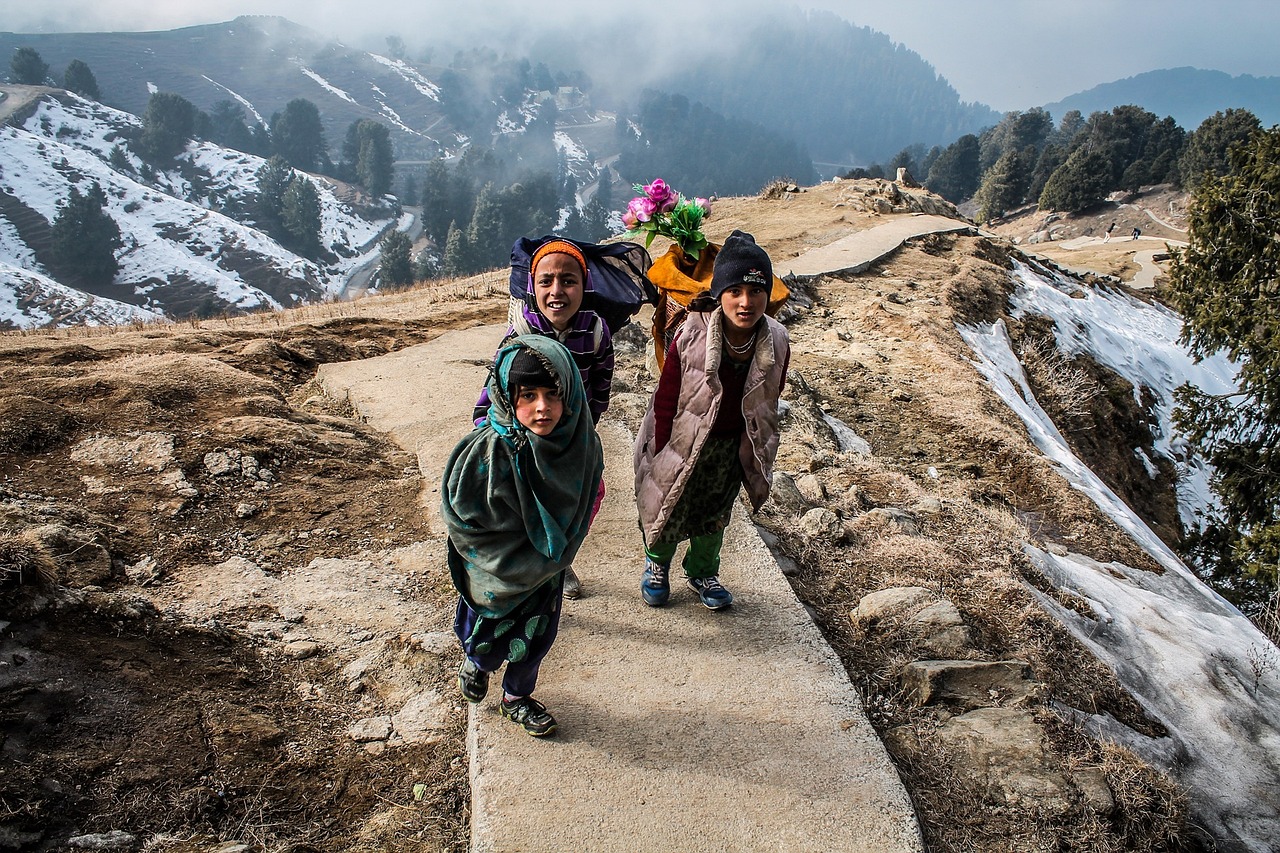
374 160
300 217
85 238
410 194
79 79
395 266
486 235
1208 147
436 198
1224 284
954 174
27 68
298 136
167 125
273 178
457 260
119 160
1004 186
228 128
1078 184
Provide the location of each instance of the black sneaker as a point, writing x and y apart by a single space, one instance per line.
655 583
472 681
530 714
713 595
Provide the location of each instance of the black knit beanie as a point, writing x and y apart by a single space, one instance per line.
740 261
528 371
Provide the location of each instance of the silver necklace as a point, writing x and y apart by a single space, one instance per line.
740 350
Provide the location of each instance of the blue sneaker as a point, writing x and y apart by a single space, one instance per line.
713 595
655 583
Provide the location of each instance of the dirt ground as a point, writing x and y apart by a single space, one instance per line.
157 679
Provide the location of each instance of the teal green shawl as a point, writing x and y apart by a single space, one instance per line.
516 505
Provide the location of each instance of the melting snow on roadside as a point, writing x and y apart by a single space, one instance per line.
1194 662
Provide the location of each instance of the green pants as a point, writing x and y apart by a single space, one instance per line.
702 560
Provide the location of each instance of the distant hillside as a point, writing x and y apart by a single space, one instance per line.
1190 95
261 62
850 94
190 244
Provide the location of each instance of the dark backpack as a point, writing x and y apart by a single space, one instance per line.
619 277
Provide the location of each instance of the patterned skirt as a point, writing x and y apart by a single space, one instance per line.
705 505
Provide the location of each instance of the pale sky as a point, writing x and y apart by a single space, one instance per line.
1008 54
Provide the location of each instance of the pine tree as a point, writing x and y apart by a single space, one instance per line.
410 195
1208 147
1078 184
457 260
79 79
85 239
27 68
1224 284
273 178
167 125
954 174
395 266
300 217
485 236
298 136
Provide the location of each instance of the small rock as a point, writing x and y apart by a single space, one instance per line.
890 603
1056 549
244 509
116 839
438 643
249 467
785 496
812 489
927 506
423 718
821 524
1094 789
144 572
903 520
290 614
269 630
302 649
971 683
371 729
220 463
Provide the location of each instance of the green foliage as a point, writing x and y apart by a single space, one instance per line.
27 67
366 156
167 125
298 136
457 253
273 180
85 239
1015 132
119 160
300 217
1225 285
228 128
1208 148
395 267
79 79
1004 186
409 195
954 174
1079 184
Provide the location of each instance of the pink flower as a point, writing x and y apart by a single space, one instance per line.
705 204
629 220
663 196
642 208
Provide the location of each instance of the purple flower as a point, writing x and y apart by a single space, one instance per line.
642 208
705 204
663 196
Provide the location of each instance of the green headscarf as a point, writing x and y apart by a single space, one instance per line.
516 505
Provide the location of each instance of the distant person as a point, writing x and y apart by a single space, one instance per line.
712 424
1137 232
557 306
1106 238
516 501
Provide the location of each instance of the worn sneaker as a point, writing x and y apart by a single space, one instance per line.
572 586
472 681
713 595
530 715
655 583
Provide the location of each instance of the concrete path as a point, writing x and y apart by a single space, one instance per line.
853 254
680 729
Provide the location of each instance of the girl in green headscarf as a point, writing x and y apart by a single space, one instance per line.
516 501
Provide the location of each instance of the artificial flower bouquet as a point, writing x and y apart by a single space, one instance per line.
658 209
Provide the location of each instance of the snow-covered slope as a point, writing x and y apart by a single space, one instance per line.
1193 660
181 255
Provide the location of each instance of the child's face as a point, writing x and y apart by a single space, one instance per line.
743 305
557 288
539 409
